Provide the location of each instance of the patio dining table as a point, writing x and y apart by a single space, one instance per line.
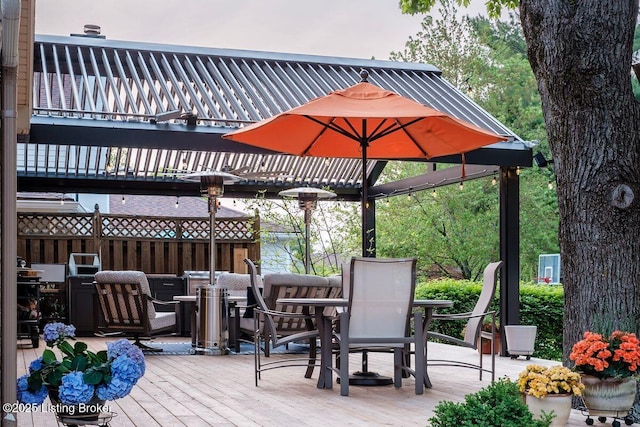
325 378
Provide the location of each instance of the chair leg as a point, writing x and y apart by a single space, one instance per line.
256 356
481 358
420 357
256 347
312 357
344 354
267 345
493 366
398 362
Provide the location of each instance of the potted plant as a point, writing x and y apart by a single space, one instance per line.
80 382
485 347
549 390
609 370
486 344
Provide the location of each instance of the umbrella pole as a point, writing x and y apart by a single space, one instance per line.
364 144
366 377
307 231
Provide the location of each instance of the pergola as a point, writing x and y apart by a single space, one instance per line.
89 115
122 117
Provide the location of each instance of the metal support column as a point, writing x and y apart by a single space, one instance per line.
509 248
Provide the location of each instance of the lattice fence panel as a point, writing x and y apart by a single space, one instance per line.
235 230
59 225
227 229
154 244
195 229
137 227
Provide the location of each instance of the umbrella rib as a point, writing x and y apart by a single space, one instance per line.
375 135
332 126
391 129
354 132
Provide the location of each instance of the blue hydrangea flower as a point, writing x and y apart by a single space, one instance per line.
35 365
73 390
126 369
25 396
116 389
124 347
117 348
55 332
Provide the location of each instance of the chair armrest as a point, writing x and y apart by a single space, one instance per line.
460 316
245 306
271 313
160 302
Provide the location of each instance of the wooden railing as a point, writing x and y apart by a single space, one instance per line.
157 245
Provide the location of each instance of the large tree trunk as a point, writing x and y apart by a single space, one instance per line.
580 52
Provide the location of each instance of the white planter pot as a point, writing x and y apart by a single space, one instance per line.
558 404
521 340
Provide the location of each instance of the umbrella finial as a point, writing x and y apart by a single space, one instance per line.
364 74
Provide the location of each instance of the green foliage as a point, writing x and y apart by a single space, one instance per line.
464 293
494 7
456 231
497 405
451 229
540 305
334 232
451 45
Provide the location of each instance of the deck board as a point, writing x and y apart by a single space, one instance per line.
200 390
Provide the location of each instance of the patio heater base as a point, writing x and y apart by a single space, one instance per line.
211 351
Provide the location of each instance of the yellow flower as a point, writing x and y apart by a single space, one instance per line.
540 381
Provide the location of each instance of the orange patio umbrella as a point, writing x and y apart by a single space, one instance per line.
368 122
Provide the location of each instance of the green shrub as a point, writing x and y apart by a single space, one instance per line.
540 305
497 405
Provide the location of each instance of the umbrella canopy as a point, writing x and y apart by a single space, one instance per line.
368 122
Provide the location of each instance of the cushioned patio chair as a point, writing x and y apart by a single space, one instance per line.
473 333
277 325
378 316
127 308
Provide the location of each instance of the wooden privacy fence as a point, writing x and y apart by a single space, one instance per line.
154 245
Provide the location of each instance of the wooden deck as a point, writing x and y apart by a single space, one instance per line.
201 390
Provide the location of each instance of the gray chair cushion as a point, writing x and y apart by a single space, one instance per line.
129 277
235 284
163 320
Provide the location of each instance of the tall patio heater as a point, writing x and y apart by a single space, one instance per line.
307 201
211 321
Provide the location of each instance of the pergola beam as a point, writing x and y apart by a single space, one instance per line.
431 180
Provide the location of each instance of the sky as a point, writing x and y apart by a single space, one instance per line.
342 28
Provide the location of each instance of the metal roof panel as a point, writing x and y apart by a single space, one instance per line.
144 111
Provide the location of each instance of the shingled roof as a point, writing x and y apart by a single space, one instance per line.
191 207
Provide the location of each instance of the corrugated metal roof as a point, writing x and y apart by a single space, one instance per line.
109 111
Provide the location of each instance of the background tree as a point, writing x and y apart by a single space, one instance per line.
580 53
333 233
456 233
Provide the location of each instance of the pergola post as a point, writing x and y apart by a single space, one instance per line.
509 249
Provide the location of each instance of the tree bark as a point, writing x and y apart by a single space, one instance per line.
580 53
